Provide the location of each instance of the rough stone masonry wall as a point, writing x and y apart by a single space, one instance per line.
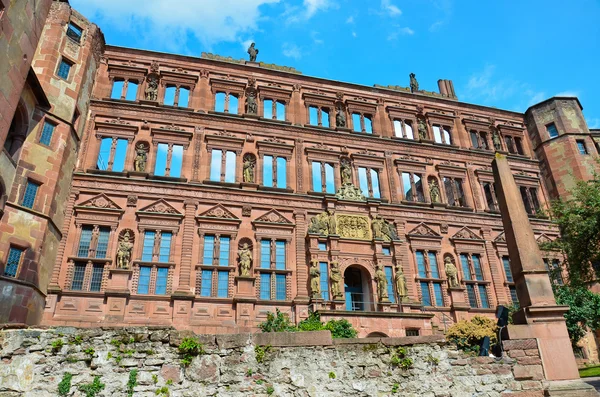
301 364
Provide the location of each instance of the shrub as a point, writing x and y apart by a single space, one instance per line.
468 335
311 323
341 329
277 322
280 322
57 345
188 348
132 383
64 387
332 375
91 389
260 353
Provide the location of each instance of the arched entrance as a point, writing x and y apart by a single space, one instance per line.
357 289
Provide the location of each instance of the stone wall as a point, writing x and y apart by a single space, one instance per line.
301 364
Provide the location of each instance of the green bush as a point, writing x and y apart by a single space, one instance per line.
468 335
311 323
277 322
188 348
91 389
280 322
132 383
64 387
341 329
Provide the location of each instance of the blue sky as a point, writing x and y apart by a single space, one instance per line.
508 54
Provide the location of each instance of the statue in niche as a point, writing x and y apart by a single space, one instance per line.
400 282
331 223
321 224
151 93
381 281
434 191
422 126
414 84
124 251
249 165
94 238
156 248
496 140
383 230
315 279
251 105
336 279
340 117
253 52
245 259
346 172
451 272
141 157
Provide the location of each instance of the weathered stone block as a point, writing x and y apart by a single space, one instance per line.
528 372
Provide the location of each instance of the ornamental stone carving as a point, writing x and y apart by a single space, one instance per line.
340 117
315 280
496 139
322 224
414 84
467 234
249 168
151 92
161 207
125 248
101 202
245 260
451 271
273 216
422 128
346 171
381 280
350 192
383 230
141 157
400 280
336 278
354 226
252 52
251 104
434 190
219 212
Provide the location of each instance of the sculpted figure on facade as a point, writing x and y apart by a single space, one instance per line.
141 158
253 52
400 280
151 93
94 238
414 84
346 172
340 117
315 279
353 226
422 128
249 165
323 224
434 190
451 272
331 222
381 281
496 140
336 279
383 230
124 251
245 259
251 104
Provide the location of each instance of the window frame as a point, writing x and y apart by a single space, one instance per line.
551 126
42 133
473 281
30 182
427 278
21 252
66 61
581 145
78 35
272 271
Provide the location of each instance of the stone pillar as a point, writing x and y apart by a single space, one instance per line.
301 265
501 297
539 316
187 246
54 287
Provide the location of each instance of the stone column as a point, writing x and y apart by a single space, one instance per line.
187 245
301 265
496 273
539 316
60 252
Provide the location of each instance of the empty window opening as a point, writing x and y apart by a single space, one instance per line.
74 32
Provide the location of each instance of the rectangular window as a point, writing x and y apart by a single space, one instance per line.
507 271
265 286
223 284
280 255
329 179
148 248
389 276
513 295
230 159
281 173
162 275
224 251
324 279
215 165
144 280
477 268
265 254
447 135
14 260
464 261
375 184
209 249
268 171
104 154
508 140
206 285
165 247
31 190
316 177
475 139
519 146
433 266
96 282
74 32
176 161
280 293
437 292
117 89
322 246
437 134
471 294
84 242
386 251
552 131
132 89
425 295
47 132
490 198
413 187
460 200
313 115
581 147
483 296
102 248
120 155
421 264
78 274
528 205
64 69
412 332
363 181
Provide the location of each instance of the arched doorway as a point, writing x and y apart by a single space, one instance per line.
357 289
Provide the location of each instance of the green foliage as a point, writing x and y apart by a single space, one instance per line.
118 359
280 322
277 322
270 390
584 312
169 382
249 372
163 391
132 382
109 356
77 340
154 378
468 335
398 355
511 310
189 348
434 361
406 363
90 351
260 352
395 388
311 323
64 387
57 345
91 389
332 375
260 382
341 329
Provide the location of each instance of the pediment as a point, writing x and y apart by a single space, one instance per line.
101 202
466 234
273 216
423 230
218 211
501 238
161 207
543 239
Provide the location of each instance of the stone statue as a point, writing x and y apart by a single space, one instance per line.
497 141
336 279
322 224
253 52
94 238
381 281
451 272
422 126
251 105
400 282
249 164
331 223
156 248
414 84
346 172
151 93
377 224
315 279
124 252
340 117
141 157
434 191
245 259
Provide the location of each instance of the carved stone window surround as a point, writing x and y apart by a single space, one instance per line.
227 86
105 129
124 72
188 81
153 275
162 135
275 94
222 142
366 108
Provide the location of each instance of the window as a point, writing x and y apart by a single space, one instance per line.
389 276
513 295
427 268
132 90
362 123
117 89
15 256
64 69
479 139
552 131
280 287
157 246
223 284
438 295
74 32
147 274
489 192
93 242
96 282
324 280
226 102
222 166
473 276
530 200
112 154
206 283
412 332
265 286
169 159
507 270
554 270
413 187
323 177
322 246
386 251
31 190
78 275
455 192
274 110
441 134
318 116
403 129
368 180
472 296
425 294
275 172
270 272
47 132
581 147
514 145
177 96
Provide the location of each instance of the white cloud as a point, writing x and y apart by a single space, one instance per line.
404 31
308 9
593 123
312 6
246 43
568 93
350 19
291 51
354 34
163 22
436 26
390 8
315 38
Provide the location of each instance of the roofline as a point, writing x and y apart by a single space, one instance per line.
555 98
320 79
